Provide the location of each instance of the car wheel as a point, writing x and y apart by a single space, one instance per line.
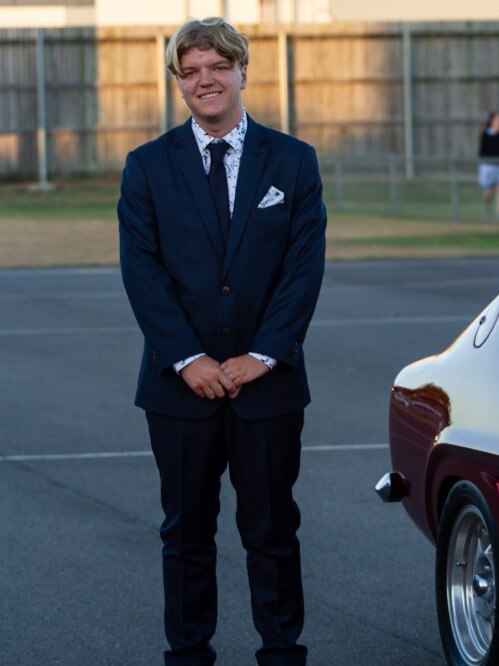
466 566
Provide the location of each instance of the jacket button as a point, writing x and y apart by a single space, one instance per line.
225 290
225 332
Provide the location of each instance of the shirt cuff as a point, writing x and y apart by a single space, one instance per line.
268 360
180 365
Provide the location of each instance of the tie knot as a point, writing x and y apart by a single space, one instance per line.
218 150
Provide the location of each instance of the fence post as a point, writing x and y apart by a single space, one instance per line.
88 137
393 177
284 82
162 85
41 108
338 183
408 101
454 189
222 8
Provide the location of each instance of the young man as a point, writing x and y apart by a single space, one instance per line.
222 252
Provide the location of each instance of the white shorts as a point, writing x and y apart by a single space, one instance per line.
488 175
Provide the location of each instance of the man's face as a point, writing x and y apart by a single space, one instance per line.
211 87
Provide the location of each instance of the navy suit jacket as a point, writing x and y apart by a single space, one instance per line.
190 295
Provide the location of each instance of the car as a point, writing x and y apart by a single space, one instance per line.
444 445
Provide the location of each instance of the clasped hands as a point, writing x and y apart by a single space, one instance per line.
210 379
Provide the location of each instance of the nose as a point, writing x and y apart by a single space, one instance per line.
205 77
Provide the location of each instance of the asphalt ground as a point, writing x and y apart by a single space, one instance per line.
80 570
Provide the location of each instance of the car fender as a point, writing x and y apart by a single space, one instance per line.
450 462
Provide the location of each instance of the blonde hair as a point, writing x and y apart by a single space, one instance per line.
209 33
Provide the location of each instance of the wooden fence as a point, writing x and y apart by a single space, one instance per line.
74 101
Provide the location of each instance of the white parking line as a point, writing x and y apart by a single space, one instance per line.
441 284
345 447
29 272
390 321
85 330
61 295
75 456
103 455
335 323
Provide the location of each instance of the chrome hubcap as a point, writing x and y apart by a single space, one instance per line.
471 586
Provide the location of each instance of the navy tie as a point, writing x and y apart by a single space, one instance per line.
217 179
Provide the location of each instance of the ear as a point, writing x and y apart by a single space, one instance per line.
179 84
244 76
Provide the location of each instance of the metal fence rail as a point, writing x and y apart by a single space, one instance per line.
436 188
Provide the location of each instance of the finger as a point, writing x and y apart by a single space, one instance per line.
209 393
226 382
218 390
233 377
233 394
230 365
227 367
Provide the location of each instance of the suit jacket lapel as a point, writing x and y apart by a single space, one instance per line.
248 180
190 164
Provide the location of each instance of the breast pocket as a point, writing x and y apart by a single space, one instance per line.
272 215
270 226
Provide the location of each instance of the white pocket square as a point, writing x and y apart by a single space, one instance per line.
273 197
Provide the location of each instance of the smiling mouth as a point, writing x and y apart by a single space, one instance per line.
210 95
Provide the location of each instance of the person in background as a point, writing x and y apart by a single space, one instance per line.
488 167
222 234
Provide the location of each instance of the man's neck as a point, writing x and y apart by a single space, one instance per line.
218 130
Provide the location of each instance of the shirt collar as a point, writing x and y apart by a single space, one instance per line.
235 138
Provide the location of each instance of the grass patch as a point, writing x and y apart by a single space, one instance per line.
75 224
366 194
79 199
484 241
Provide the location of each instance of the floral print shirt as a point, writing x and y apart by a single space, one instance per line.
232 158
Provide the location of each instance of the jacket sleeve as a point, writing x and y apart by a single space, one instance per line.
282 331
149 286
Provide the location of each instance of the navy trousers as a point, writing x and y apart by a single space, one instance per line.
264 459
